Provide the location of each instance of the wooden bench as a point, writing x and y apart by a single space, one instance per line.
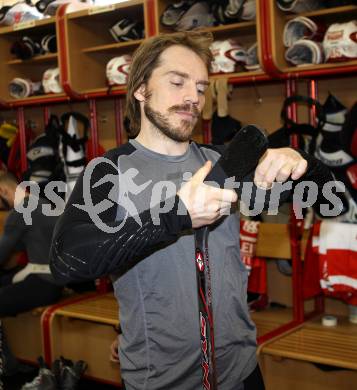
286 360
270 319
84 329
24 333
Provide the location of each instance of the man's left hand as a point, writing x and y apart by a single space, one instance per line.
278 165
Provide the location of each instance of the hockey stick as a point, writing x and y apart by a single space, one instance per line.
239 160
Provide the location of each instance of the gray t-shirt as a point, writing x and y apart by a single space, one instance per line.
160 343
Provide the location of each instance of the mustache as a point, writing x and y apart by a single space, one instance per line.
185 108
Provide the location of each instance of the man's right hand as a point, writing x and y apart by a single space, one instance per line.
205 204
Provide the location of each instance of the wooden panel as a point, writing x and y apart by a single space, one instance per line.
313 342
281 374
23 333
274 241
77 339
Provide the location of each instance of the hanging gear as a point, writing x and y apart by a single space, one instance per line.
349 132
340 42
224 128
226 55
302 28
21 88
118 70
44 164
305 52
328 145
298 6
73 147
127 30
51 81
329 150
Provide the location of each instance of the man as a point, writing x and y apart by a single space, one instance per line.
150 254
22 289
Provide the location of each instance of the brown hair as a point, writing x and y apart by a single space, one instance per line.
147 57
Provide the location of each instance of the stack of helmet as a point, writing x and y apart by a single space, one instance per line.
117 70
187 15
20 12
303 39
26 47
229 54
20 88
127 29
308 42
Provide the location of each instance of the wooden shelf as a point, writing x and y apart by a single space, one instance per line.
104 9
112 46
347 9
332 65
101 92
237 75
230 27
51 57
39 98
27 25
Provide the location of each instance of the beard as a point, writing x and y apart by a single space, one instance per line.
161 121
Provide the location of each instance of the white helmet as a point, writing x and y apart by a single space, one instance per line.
299 28
51 81
304 52
226 54
118 70
21 88
340 42
19 13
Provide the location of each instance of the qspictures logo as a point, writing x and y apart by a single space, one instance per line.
125 185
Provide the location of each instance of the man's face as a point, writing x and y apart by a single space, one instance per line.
175 93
